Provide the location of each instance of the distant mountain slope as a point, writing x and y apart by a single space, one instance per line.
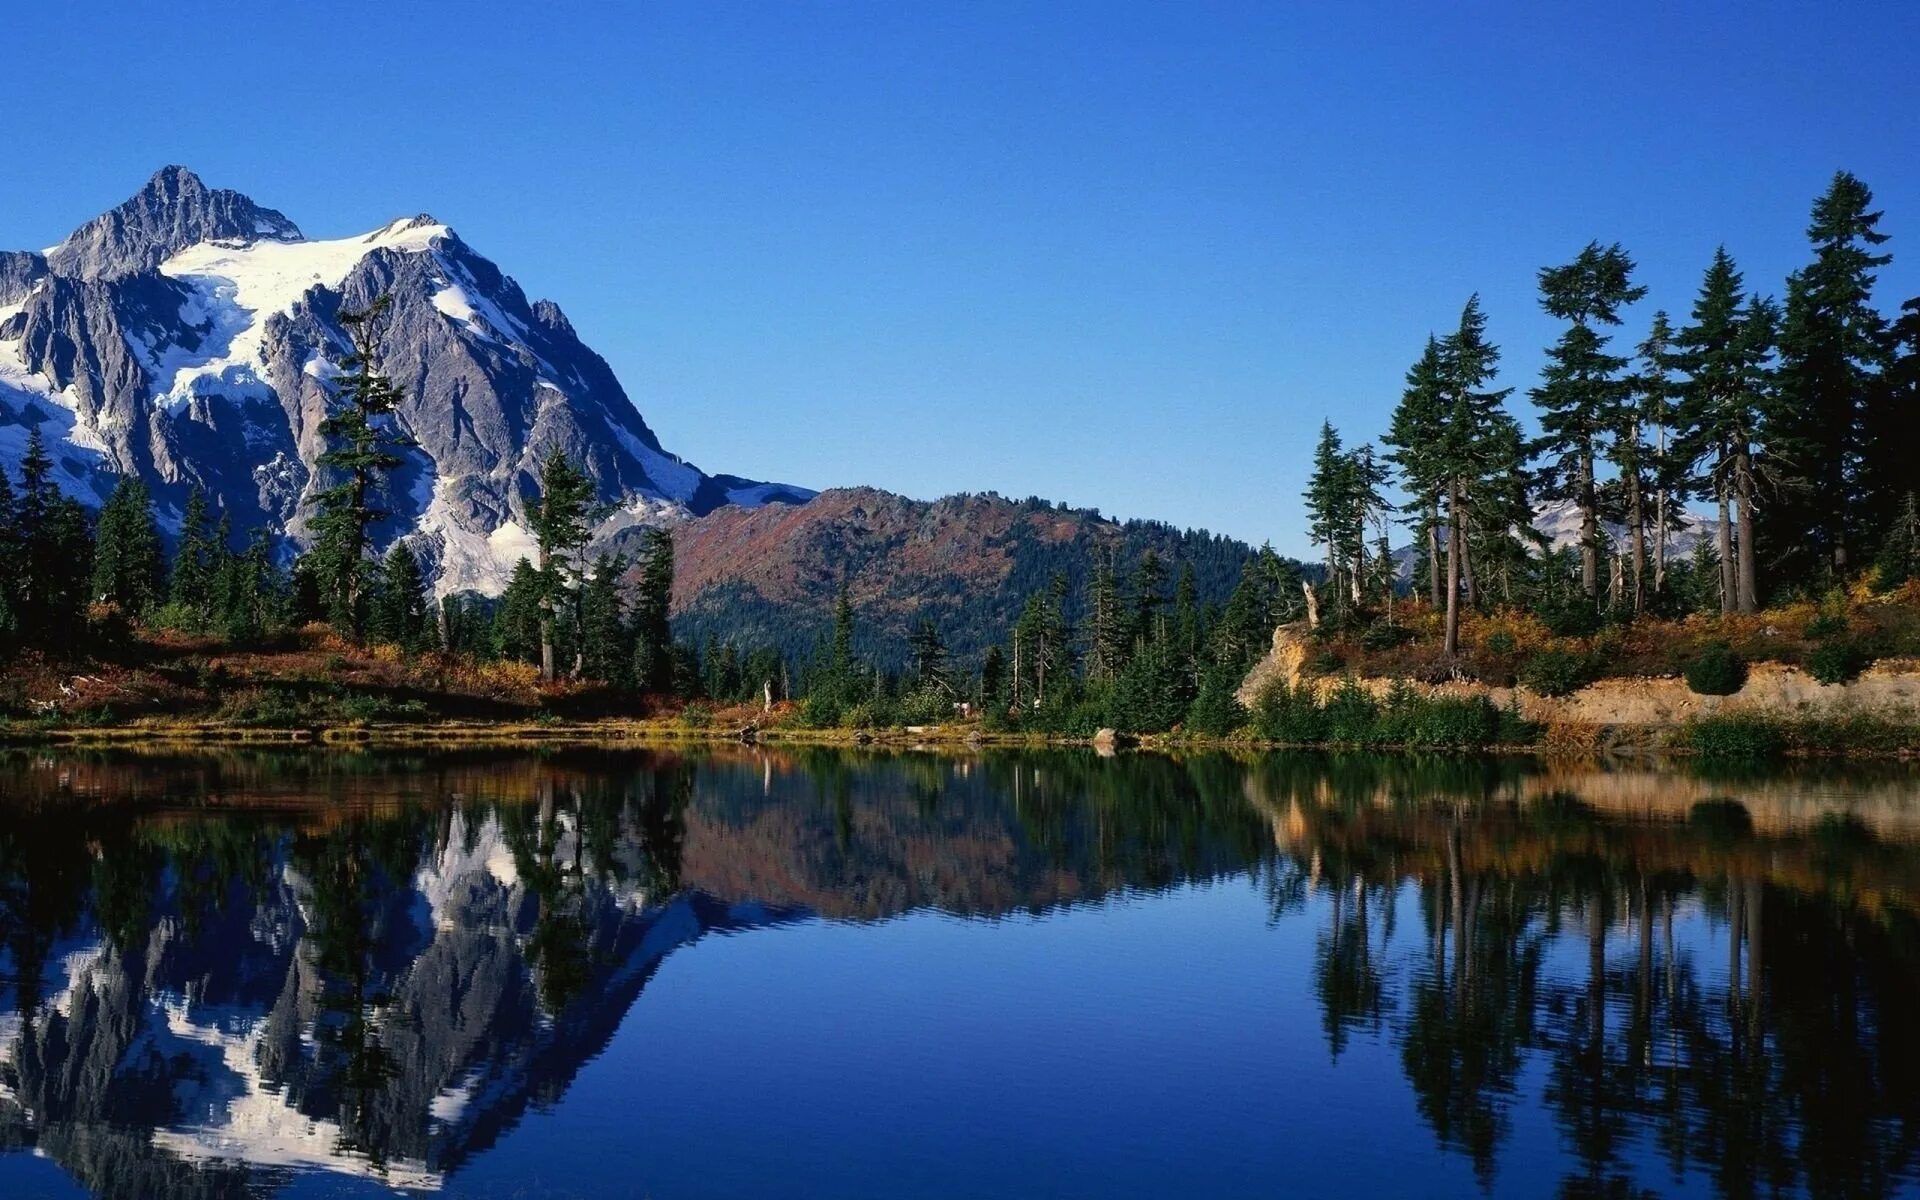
188 334
770 576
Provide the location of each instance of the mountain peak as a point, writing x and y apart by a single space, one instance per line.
174 209
174 178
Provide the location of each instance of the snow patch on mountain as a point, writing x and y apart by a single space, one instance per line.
239 286
1560 523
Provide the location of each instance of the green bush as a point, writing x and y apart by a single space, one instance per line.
1350 715
1826 627
1716 671
696 716
928 706
1734 737
1556 672
1291 715
1836 662
1512 729
820 712
1569 616
1439 722
1215 711
1500 641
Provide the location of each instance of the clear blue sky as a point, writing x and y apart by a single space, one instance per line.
1121 255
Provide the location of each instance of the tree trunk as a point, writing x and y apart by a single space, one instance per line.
1749 592
1433 549
546 619
1636 529
1589 532
1453 574
1466 562
1729 586
1313 605
1660 520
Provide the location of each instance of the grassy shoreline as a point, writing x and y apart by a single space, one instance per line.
1753 739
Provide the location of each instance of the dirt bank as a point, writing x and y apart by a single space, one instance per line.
1890 689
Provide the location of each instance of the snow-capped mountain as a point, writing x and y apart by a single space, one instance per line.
189 335
1559 522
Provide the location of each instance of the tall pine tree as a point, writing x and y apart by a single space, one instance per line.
1832 352
559 520
362 447
1581 391
129 562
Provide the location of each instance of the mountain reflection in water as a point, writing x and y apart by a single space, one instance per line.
242 974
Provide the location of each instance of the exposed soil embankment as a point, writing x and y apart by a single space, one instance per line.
1890 690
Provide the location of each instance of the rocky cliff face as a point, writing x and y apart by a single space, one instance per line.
189 335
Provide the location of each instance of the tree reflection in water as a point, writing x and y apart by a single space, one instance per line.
1795 1069
1688 978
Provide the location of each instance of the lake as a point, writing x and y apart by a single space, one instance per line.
733 972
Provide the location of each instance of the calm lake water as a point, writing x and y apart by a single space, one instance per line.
786 973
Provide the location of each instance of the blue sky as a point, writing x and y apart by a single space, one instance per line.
1122 255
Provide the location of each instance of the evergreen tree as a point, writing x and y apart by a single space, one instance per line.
1149 582
361 449
843 670
993 676
517 618
1659 474
252 592
9 552
191 594
55 564
1473 450
1187 633
1109 622
1413 441
401 613
1040 640
711 684
559 520
1216 711
1832 352
1326 500
1581 392
929 654
1892 428
129 562
606 654
1364 509
1724 352
652 601
1899 560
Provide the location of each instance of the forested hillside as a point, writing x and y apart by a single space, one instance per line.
771 577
